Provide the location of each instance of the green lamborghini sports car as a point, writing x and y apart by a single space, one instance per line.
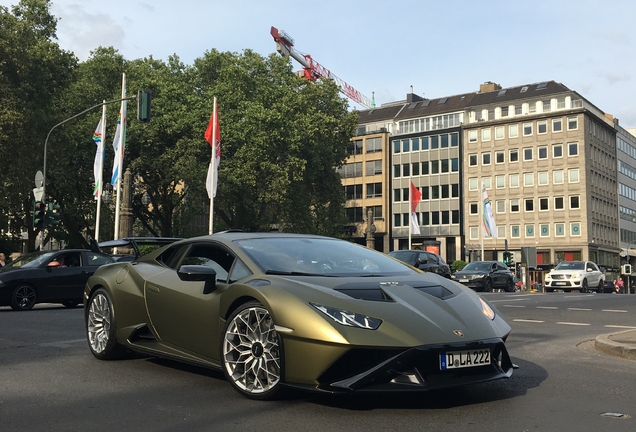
274 311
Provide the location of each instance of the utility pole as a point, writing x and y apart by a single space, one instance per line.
370 230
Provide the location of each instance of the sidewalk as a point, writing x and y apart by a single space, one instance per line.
621 344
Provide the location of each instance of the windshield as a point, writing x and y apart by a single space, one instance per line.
406 256
570 266
30 260
319 257
478 266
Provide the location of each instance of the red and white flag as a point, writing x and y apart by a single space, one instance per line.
213 170
416 197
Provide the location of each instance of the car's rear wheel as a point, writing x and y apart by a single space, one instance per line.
488 285
23 297
253 352
101 327
584 286
510 286
599 288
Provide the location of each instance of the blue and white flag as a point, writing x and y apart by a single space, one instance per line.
119 145
490 227
98 165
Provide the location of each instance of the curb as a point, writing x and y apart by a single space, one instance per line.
604 344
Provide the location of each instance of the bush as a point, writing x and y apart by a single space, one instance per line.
458 265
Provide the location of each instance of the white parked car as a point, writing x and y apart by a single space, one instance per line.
575 275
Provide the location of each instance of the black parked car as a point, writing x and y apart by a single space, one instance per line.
48 277
424 260
486 276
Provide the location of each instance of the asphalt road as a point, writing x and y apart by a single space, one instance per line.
49 381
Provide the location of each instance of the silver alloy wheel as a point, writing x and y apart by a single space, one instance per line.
98 325
251 352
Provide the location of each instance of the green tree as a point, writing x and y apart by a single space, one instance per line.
34 73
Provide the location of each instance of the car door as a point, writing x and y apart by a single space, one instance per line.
63 282
594 276
182 313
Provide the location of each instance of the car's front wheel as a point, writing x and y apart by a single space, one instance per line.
23 297
101 327
253 352
584 286
510 286
488 285
599 288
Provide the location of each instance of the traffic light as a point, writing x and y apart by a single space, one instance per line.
39 214
627 269
507 258
144 97
53 215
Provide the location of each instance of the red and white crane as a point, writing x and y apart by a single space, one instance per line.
312 70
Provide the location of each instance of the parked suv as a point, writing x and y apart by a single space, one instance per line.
485 276
575 275
423 260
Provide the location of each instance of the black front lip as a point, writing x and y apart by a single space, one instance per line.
418 369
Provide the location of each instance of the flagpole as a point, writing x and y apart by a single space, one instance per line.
100 185
482 219
213 163
120 153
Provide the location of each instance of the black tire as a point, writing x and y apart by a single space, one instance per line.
23 297
71 303
584 286
510 286
252 352
101 327
488 285
599 288
549 290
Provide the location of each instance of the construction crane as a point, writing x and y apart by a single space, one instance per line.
312 70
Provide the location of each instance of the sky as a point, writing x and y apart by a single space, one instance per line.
382 48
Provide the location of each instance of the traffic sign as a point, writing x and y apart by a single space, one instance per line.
39 180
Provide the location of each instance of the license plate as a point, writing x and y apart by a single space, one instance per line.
462 359
559 283
463 280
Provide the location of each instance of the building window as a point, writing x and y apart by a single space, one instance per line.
487 182
574 202
472 135
425 193
474 208
514 180
504 111
351 170
374 167
513 131
425 167
415 144
353 192
374 190
515 231
514 155
557 177
434 142
474 233
542 152
445 191
397 171
405 194
435 167
501 231
406 219
573 175
424 143
397 220
527 129
500 181
500 206
557 151
528 179
500 157
444 139
415 168
472 184
527 154
454 139
354 147
557 125
485 158
434 192
544 230
406 146
573 149
472 159
396 146
559 230
542 127
499 133
532 107
455 165
575 229
544 204
354 214
558 203
374 145
397 195
455 216
529 204
573 123
514 206
406 170
546 106
485 134
529 230
445 166
542 178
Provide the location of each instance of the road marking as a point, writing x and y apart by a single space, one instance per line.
514 306
574 324
620 326
508 300
575 296
614 310
579 309
547 307
528 320
63 344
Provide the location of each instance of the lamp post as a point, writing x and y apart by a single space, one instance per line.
629 276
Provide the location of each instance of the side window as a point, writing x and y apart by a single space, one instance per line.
95 259
239 271
212 256
432 258
72 259
171 256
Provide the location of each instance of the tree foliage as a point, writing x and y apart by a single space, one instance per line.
282 137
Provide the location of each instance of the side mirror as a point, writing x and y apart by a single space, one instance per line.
199 273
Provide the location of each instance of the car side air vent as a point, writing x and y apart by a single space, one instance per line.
436 291
371 294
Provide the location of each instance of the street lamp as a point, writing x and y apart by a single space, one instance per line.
145 199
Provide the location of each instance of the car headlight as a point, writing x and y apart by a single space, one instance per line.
347 318
487 310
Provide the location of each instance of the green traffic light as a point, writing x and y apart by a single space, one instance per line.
144 98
